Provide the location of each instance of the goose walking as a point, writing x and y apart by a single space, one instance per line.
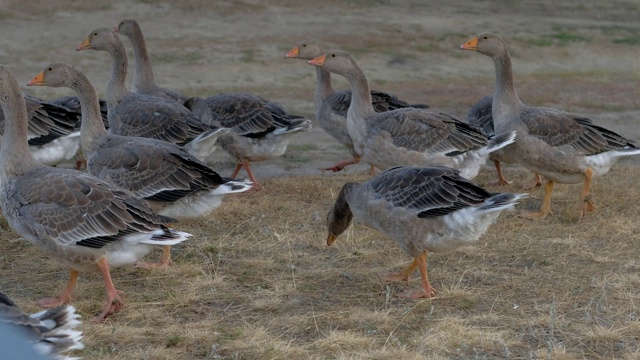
260 129
480 116
174 182
143 81
421 208
563 147
332 106
132 114
408 136
86 223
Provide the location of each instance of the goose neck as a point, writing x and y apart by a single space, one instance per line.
92 126
505 96
323 86
142 72
15 155
360 106
116 88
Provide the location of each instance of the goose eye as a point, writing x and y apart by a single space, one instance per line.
485 37
50 69
304 45
95 34
333 55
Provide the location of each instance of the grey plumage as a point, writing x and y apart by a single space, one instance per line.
422 209
143 80
51 332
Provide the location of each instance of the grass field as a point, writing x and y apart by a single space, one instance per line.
257 280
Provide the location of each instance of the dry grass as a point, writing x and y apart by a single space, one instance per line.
258 282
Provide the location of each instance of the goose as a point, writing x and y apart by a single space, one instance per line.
423 209
53 131
480 116
563 147
132 114
51 332
167 176
408 136
260 128
143 81
74 217
72 103
332 106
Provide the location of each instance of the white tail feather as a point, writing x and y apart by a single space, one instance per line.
498 142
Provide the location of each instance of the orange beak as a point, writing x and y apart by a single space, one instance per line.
319 61
86 44
331 238
470 45
293 53
38 80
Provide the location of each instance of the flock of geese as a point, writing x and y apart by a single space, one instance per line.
148 154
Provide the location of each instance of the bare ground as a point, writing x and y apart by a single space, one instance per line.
257 280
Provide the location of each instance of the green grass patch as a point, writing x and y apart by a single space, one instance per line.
627 40
173 341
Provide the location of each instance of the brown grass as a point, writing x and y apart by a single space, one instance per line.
258 282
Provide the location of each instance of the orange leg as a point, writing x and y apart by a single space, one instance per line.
165 259
114 301
427 291
81 164
247 168
537 181
546 204
65 297
587 203
501 179
404 275
342 164
236 171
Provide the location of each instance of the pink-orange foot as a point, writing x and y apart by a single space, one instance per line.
418 294
340 165
165 260
588 205
535 215
500 182
537 181
65 297
113 304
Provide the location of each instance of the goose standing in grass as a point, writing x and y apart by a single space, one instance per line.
421 208
480 116
332 106
408 136
76 218
52 332
132 114
260 128
143 79
174 182
561 146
